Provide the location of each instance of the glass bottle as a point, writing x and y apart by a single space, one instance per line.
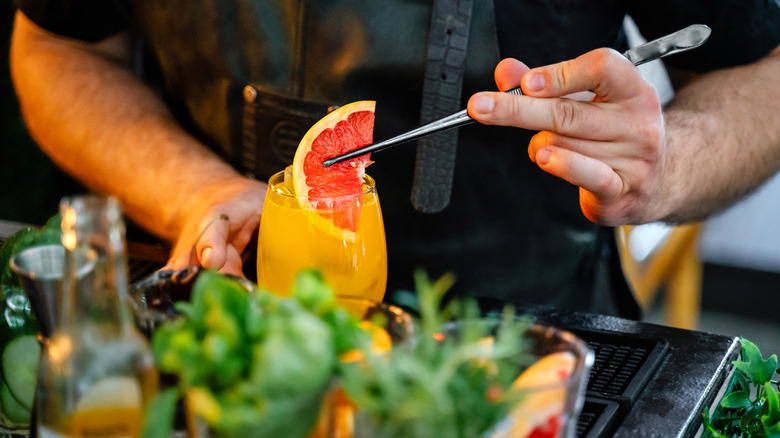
97 373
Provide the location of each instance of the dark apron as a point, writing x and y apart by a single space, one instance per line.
510 232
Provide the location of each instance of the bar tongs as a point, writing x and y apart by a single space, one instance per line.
685 39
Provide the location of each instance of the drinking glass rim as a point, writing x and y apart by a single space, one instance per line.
571 343
369 185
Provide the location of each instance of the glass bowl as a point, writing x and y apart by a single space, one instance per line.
554 387
153 299
551 389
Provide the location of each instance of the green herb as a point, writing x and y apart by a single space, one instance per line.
447 381
750 407
251 363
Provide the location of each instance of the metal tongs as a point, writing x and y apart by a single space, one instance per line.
689 38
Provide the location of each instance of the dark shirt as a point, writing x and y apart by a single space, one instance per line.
511 232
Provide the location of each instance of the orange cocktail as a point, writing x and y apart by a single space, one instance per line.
298 232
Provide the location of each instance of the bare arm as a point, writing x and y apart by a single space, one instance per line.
634 161
88 111
723 139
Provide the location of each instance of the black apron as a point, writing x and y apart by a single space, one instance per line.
509 232
248 77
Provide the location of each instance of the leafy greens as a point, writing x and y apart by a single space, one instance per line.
750 407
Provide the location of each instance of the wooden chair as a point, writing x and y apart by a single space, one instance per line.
674 266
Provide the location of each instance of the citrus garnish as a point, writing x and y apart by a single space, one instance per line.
380 343
539 412
331 191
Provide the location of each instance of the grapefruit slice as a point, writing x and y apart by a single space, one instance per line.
540 412
331 191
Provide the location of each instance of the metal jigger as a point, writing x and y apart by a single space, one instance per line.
41 270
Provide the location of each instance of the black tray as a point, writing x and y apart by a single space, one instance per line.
623 364
597 419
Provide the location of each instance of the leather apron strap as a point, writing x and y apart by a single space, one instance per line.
444 69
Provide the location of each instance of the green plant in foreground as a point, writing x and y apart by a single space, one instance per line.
751 406
249 363
453 383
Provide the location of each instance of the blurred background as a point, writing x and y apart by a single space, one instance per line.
728 267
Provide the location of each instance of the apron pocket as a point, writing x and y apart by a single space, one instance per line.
273 126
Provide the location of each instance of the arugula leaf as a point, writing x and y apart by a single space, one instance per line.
758 370
751 407
709 429
737 399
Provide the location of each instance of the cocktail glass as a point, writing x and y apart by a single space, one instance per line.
342 236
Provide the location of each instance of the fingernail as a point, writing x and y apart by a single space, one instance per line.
204 256
543 156
483 104
534 82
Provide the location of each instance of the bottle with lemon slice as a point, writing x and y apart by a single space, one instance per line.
97 371
326 218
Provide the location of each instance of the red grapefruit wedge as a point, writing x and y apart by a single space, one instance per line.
330 191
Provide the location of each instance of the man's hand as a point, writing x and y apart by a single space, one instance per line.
216 233
612 146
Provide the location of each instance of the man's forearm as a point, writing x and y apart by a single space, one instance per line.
88 111
723 140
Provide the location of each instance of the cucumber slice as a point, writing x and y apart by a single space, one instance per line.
20 368
12 409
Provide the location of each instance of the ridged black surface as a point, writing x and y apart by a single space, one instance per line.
444 68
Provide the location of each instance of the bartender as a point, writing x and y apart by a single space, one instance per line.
183 110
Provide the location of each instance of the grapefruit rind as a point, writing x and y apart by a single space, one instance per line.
332 135
543 405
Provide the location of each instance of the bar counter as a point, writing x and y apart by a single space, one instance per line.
683 371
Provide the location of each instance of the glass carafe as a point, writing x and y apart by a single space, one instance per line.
97 373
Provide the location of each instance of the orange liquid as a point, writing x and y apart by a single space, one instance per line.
291 239
110 408
108 422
